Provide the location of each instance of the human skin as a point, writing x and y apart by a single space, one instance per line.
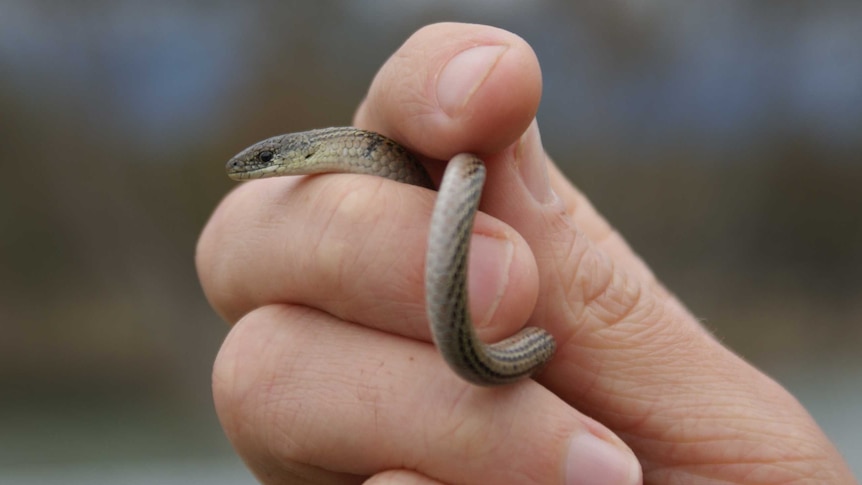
328 374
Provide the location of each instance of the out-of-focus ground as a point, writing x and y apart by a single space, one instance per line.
723 140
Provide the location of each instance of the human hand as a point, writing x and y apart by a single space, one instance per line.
328 375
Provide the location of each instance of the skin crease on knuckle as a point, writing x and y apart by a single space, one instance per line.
667 353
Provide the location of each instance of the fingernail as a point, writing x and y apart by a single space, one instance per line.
464 74
592 461
490 258
530 157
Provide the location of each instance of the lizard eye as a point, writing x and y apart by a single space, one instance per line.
265 156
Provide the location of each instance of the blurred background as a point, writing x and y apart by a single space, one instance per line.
723 139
